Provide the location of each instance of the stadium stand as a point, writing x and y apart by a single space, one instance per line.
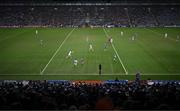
167 16
81 15
68 95
142 16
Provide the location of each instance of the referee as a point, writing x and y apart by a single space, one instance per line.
100 67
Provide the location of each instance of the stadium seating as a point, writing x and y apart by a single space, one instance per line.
68 95
117 16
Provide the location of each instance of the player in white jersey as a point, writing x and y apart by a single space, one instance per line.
75 62
91 48
69 54
133 38
111 40
122 33
36 32
115 58
165 35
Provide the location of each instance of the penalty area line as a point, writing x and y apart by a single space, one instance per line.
126 72
56 51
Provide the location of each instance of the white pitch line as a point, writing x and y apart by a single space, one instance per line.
126 72
56 51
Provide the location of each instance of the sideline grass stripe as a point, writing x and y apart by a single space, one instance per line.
48 74
57 51
126 72
88 77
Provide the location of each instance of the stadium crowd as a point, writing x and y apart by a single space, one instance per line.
80 95
116 16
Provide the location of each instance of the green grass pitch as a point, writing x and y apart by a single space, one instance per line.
22 56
